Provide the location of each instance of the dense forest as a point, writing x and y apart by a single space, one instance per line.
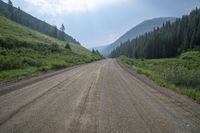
168 41
21 17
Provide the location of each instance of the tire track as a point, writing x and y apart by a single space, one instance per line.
149 122
15 85
146 90
176 101
87 121
10 116
100 97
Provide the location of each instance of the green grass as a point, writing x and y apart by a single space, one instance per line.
181 74
24 52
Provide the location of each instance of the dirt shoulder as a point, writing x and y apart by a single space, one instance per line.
12 85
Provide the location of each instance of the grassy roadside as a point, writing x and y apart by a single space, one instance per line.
180 74
24 52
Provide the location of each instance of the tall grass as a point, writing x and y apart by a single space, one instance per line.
181 74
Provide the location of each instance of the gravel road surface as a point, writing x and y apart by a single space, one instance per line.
100 97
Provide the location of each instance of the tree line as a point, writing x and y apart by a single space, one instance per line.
21 17
168 41
96 52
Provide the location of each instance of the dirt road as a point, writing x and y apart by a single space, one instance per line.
100 97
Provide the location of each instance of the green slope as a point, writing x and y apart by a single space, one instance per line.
32 22
24 51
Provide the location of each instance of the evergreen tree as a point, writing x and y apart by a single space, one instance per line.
168 41
10 9
193 40
93 51
25 19
67 46
62 28
10 3
18 15
55 32
62 34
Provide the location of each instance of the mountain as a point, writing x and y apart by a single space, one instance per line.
25 19
138 30
168 41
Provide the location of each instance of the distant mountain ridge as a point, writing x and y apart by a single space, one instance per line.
140 29
25 19
170 40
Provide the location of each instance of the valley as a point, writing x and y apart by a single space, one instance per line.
54 80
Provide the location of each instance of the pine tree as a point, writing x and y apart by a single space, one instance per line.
93 51
55 32
198 35
193 40
62 28
167 41
10 3
10 9
62 35
67 46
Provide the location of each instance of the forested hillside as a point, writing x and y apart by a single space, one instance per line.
168 41
140 29
21 17
24 51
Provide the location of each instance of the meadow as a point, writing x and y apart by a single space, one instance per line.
181 74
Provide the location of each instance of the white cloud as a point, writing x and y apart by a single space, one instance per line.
58 7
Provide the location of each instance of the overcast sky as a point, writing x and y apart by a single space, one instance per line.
100 22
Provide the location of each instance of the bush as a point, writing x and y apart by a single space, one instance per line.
43 68
31 62
8 63
54 48
190 55
67 46
59 65
180 75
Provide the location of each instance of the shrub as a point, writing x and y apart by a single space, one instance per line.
59 65
43 68
190 55
180 75
8 63
54 48
67 46
31 62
